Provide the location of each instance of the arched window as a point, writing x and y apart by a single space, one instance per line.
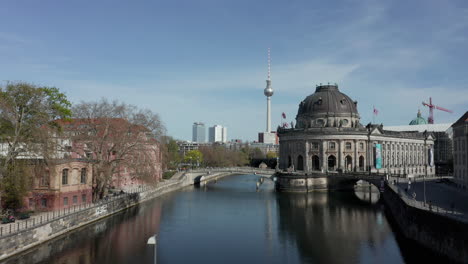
315 163
331 162
83 175
349 163
64 176
361 163
300 162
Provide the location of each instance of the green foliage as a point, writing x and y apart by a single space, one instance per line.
194 157
27 113
173 156
271 155
168 174
219 156
257 153
16 183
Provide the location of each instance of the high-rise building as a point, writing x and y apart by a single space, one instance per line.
217 133
225 135
198 132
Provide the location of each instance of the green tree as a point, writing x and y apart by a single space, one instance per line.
194 157
28 115
271 155
172 156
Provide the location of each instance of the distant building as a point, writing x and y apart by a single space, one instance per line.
265 148
460 153
217 133
268 138
224 135
419 120
198 132
186 146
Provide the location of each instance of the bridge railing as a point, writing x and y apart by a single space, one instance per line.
44 218
233 169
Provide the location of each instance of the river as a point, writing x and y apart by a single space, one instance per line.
232 222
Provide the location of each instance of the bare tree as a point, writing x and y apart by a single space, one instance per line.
115 136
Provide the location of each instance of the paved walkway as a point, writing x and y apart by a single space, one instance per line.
440 194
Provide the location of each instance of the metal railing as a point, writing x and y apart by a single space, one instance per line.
233 169
410 201
51 216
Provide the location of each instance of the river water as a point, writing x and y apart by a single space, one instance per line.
231 222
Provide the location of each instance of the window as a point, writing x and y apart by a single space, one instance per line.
331 145
348 145
83 198
75 199
315 145
44 202
65 176
83 175
44 179
65 200
361 146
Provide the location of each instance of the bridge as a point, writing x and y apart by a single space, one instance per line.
204 175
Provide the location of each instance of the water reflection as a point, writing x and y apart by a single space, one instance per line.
111 240
335 228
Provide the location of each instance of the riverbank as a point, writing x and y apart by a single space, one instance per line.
25 237
437 229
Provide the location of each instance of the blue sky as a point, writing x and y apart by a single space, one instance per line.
206 60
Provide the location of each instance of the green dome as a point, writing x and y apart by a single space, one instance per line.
418 120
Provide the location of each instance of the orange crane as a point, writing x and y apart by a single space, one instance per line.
430 120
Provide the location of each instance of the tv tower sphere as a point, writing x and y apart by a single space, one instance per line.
268 90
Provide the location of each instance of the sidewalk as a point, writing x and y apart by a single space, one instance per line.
438 195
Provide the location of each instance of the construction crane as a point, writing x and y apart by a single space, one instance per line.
430 120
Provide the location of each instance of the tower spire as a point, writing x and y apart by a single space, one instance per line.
269 65
268 92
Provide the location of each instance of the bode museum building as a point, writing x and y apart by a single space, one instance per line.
329 139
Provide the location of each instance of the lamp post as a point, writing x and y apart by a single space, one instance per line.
153 241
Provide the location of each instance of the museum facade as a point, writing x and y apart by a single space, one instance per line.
328 137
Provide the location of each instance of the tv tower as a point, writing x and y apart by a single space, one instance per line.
268 92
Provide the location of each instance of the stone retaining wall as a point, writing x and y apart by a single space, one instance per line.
30 237
442 234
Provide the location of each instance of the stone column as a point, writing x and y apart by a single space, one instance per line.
306 156
323 156
356 158
340 154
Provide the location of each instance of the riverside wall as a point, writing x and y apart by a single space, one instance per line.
27 238
442 234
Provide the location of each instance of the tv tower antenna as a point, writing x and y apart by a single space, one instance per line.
268 92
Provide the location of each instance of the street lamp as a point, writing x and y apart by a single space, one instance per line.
153 241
